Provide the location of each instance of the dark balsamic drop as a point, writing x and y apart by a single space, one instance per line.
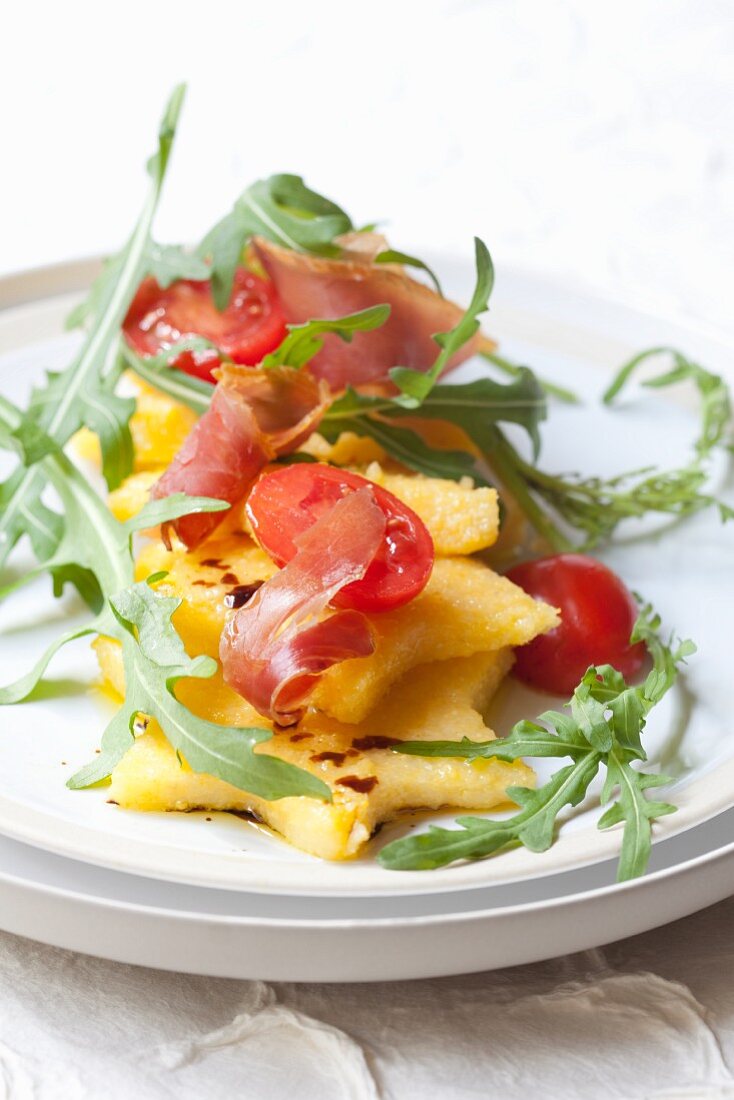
374 741
358 783
336 758
241 594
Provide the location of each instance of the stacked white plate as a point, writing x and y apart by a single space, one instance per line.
212 894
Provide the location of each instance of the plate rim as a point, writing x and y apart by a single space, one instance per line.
222 945
36 288
561 900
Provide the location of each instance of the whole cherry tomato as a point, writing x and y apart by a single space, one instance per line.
597 616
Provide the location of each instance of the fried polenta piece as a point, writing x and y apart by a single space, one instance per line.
370 783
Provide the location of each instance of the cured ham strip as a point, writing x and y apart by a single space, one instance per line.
254 416
310 286
273 649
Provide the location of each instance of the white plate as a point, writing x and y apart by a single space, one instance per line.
569 336
227 933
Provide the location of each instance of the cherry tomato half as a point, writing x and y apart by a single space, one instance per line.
597 616
285 503
248 328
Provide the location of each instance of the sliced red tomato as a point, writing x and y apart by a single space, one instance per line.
597 616
286 502
251 325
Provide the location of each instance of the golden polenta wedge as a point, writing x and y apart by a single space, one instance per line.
159 427
370 783
461 519
465 609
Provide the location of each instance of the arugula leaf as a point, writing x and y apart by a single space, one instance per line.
24 686
603 728
526 738
393 256
594 506
665 657
407 447
304 341
44 527
477 837
168 263
415 385
713 392
100 408
153 654
634 810
91 541
154 664
83 390
157 371
474 406
283 210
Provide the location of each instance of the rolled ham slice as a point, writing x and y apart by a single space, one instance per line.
310 286
274 649
254 416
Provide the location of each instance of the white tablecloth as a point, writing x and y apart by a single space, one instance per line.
588 139
649 1017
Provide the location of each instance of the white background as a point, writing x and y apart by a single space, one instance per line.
592 140
582 137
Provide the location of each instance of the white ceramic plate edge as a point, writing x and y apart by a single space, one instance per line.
33 826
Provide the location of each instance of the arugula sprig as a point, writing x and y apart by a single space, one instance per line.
601 727
83 393
712 390
415 385
159 371
282 209
559 505
154 659
394 256
306 340
474 406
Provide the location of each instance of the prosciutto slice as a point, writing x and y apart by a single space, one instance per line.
254 416
310 286
273 649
